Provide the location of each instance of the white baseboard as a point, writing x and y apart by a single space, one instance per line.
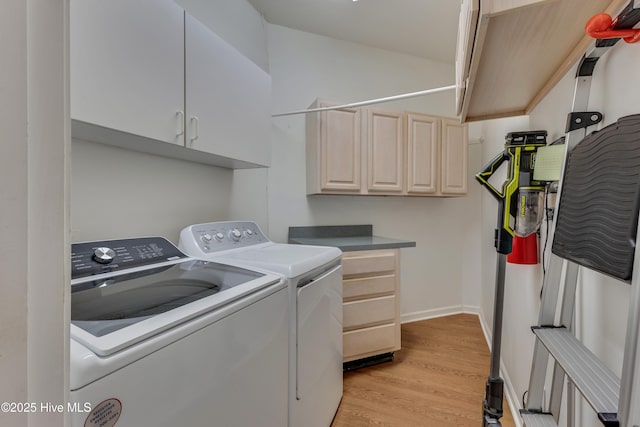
438 312
510 393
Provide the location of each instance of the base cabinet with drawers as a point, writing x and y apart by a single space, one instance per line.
371 303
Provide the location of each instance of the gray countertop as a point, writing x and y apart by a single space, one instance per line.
346 237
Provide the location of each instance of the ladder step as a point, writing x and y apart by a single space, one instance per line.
534 419
597 383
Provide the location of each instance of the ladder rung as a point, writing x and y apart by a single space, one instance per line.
533 419
597 383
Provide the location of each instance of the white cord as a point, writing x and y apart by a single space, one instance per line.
369 102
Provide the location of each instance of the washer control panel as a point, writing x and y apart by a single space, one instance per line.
220 236
105 256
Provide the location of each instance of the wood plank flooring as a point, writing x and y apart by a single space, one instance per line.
437 379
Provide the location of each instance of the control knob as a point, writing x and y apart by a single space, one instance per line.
103 255
249 233
206 237
219 236
235 234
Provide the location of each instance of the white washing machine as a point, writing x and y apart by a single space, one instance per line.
162 339
314 277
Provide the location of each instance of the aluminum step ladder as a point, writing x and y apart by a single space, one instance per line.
585 235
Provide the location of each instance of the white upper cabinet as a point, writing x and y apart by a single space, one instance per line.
127 66
145 72
228 98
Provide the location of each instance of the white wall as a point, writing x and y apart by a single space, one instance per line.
602 302
34 219
237 22
442 267
472 244
119 193
13 221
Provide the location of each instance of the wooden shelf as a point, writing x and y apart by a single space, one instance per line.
512 52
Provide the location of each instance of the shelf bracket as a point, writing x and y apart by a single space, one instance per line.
582 119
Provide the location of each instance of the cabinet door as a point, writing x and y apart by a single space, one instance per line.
385 151
127 67
454 157
340 161
423 136
466 35
228 98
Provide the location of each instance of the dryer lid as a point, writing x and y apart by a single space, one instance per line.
289 260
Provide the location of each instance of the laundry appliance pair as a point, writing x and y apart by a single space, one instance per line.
231 330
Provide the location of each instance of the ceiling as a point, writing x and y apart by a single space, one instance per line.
423 28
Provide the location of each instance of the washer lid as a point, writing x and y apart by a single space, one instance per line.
111 312
286 259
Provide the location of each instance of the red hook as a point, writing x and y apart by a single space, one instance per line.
600 26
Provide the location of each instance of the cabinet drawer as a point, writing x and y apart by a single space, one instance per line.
367 264
369 341
368 312
368 286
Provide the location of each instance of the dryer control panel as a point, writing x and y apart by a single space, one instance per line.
105 256
220 236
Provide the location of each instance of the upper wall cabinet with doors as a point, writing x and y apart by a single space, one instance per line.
511 53
437 156
147 76
379 152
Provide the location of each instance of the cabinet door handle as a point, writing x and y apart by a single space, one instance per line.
195 128
180 124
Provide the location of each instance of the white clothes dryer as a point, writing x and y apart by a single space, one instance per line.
314 278
162 339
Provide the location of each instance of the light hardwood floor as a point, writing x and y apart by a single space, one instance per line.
437 379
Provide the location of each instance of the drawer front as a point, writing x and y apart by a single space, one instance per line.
368 264
368 312
369 341
368 286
